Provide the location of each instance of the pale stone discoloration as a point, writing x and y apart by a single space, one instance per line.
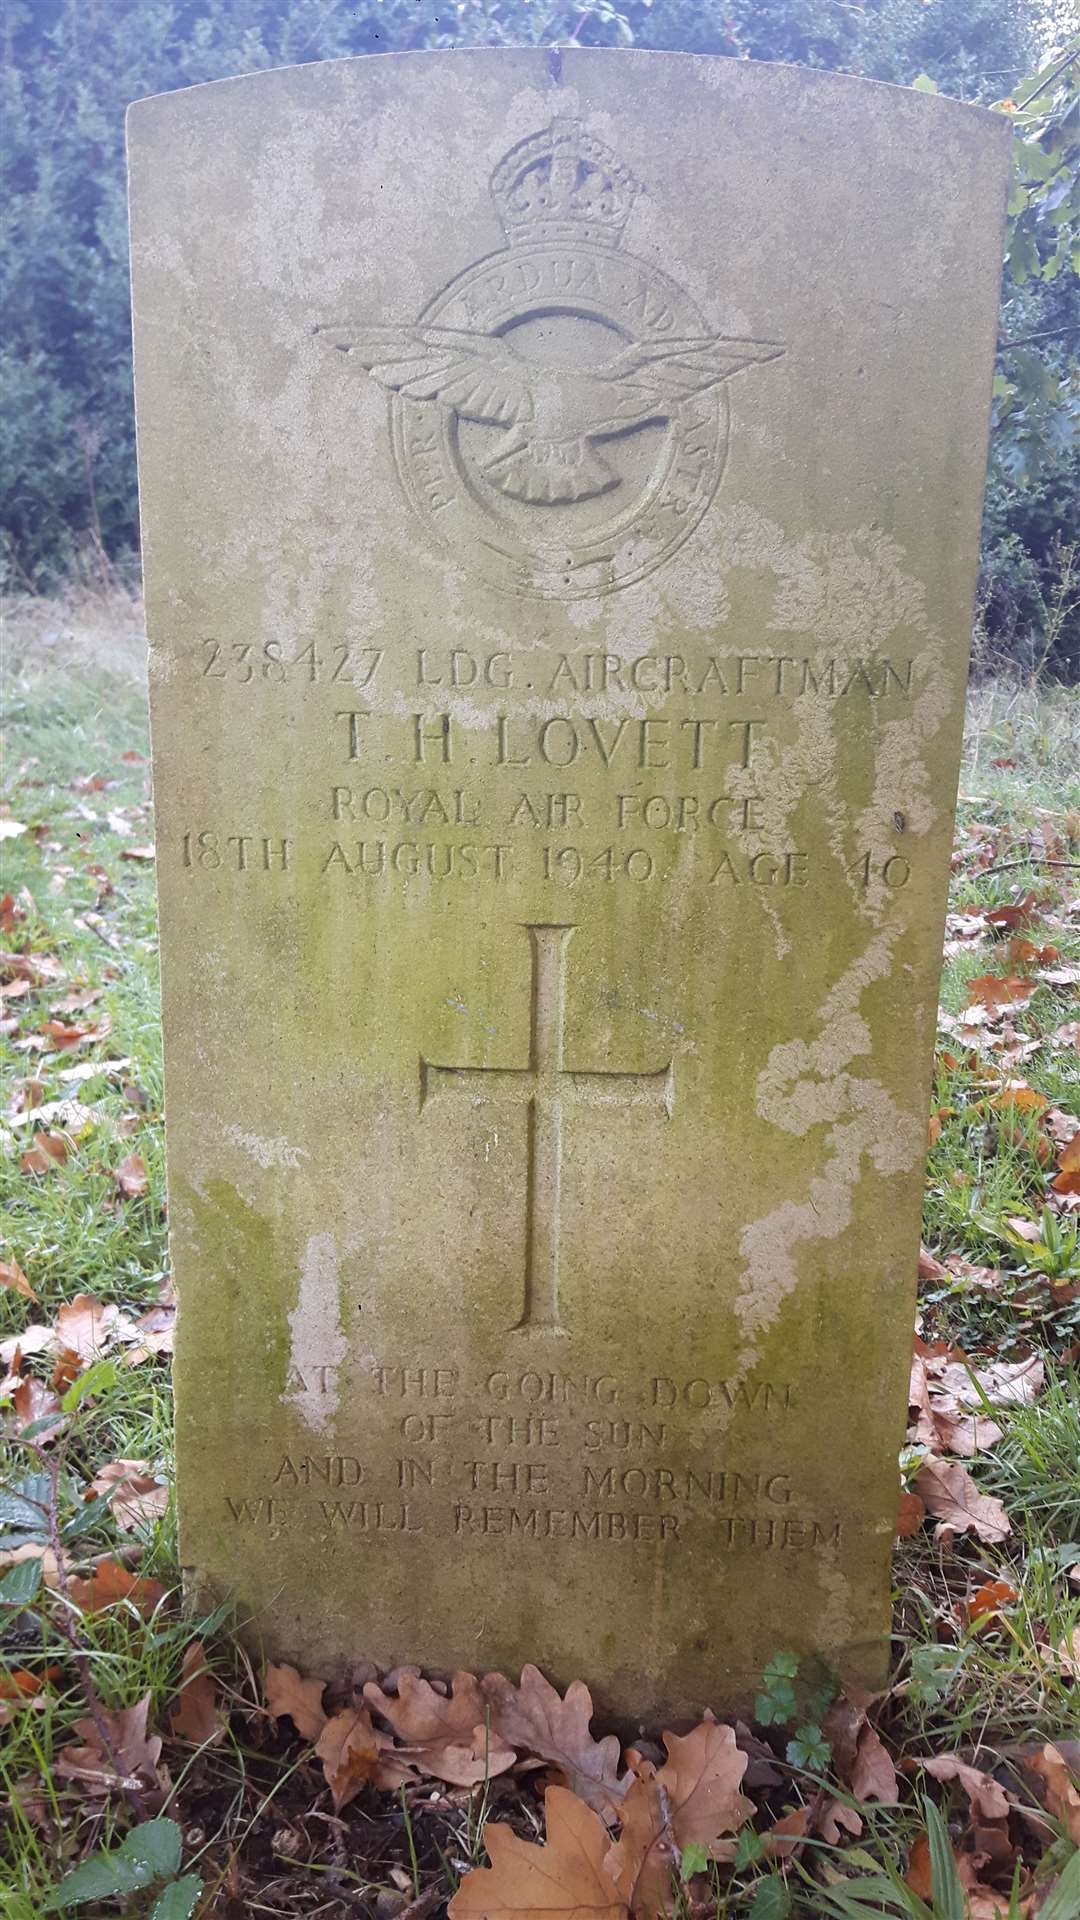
317 1346
594 1357
807 1085
265 1153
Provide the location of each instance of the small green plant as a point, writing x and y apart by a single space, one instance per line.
771 1901
148 1856
777 1706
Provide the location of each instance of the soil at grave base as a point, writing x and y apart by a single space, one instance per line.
285 1845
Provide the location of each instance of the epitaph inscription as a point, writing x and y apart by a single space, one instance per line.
557 674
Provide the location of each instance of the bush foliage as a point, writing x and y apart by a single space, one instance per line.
67 497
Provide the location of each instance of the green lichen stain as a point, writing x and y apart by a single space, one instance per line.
232 1358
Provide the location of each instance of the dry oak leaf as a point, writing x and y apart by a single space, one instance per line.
830 1816
980 1902
350 1748
859 1756
564 1880
195 1716
536 1721
301 1700
1013 1383
134 1493
447 1737
1067 1178
701 1779
1021 1098
997 991
153 1330
939 1421
110 1582
950 1494
987 1601
873 1776
12 1275
910 1514
131 1177
987 1800
134 1751
23 1685
32 1401
693 1798
89 1327
48 1152
787 1834
1061 1794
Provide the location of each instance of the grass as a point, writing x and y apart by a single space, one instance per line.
76 776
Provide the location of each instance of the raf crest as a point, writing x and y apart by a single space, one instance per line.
559 411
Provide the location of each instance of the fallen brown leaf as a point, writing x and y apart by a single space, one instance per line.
564 1880
832 1817
693 1799
787 1834
78 1001
1067 1178
89 1327
66 1368
131 1177
111 1582
910 1514
1020 1099
12 1275
154 1329
134 1493
287 1695
951 1495
134 1752
32 1400
987 1601
38 968
873 1776
997 991
195 1716
859 1756
1061 1794
349 1748
48 1152
65 1035
533 1718
988 1801
939 1421
446 1736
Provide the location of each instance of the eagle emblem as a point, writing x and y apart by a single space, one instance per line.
559 413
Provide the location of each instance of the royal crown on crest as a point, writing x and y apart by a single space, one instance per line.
563 184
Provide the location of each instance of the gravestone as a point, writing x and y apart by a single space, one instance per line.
561 480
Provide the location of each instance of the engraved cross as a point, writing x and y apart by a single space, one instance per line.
543 1088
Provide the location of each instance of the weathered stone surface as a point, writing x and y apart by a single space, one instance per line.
561 480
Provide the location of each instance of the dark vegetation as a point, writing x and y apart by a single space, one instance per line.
68 497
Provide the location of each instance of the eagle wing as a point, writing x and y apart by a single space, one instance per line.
473 374
650 377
